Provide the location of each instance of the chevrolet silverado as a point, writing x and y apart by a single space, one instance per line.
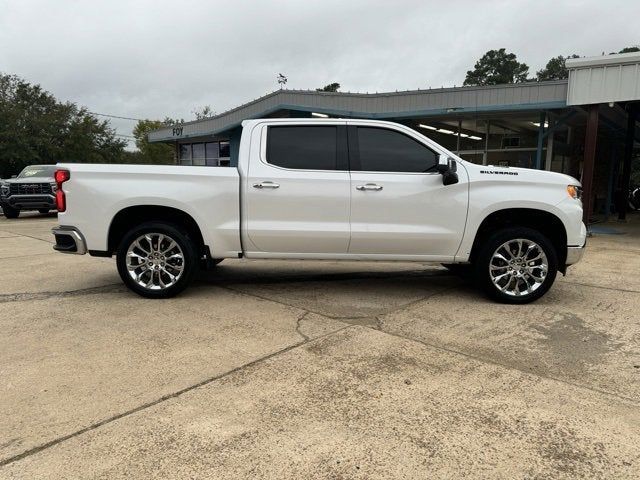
336 189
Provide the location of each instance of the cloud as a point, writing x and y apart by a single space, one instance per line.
160 58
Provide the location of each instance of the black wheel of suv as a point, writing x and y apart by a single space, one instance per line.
44 211
10 212
157 260
516 265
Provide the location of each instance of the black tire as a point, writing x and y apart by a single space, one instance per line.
189 261
10 212
43 211
483 261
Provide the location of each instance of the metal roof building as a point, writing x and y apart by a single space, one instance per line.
408 104
584 126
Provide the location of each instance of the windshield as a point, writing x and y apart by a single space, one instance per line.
38 171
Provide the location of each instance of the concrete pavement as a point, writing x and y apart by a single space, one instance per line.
315 370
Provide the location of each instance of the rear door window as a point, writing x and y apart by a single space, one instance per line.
303 147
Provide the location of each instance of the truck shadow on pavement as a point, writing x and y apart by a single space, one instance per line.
339 294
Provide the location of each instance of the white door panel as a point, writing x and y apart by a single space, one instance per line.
412 214
308 212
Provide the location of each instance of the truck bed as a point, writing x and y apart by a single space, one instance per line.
210 195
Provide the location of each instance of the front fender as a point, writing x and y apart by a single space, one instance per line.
480 214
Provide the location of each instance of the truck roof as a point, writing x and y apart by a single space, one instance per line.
247 123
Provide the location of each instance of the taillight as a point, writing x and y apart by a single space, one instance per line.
60 177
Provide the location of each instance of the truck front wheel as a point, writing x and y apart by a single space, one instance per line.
516 265
157 260
10 212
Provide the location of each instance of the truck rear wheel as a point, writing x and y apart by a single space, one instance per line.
157 260
516 265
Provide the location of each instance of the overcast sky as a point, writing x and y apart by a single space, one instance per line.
166 58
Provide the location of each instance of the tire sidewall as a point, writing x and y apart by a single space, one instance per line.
180 237
10 212
483 277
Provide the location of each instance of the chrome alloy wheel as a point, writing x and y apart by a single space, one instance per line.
518 267
155 261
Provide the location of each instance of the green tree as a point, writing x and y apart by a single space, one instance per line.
556 69
160 153
203 112
635 48
36 128
332 87
496 67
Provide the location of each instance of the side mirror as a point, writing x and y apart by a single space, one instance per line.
447 167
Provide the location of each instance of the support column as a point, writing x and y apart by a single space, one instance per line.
486 143
590 142
549 158
626 166
458 143
543 117
613 167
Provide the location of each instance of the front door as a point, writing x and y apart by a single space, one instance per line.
298 190
399 205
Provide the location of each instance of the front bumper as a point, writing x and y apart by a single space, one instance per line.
69 240
575 254
26 202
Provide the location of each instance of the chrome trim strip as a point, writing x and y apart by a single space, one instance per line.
81 246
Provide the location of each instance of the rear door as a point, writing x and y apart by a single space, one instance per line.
298 190
399 205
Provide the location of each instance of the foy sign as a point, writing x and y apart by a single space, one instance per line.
177 131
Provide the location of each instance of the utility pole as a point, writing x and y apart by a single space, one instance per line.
632 112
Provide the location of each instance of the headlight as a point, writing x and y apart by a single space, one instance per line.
574 192
4 190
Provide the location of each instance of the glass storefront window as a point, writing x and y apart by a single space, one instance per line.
185 154
225 152
211 154
198 154
212 150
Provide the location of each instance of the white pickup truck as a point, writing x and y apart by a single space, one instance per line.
325 189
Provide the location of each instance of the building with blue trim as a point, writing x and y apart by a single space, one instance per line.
584 126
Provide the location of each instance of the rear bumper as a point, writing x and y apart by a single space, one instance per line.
69 240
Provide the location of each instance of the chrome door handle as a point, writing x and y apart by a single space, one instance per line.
369 186
266 184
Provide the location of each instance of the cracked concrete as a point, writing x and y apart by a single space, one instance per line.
315 370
